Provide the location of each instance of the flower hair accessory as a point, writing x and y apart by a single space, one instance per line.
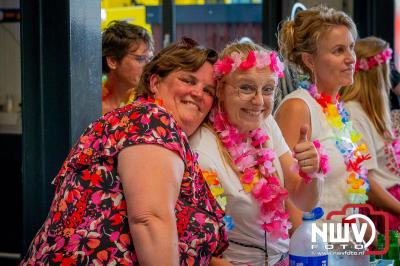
259 59
365 64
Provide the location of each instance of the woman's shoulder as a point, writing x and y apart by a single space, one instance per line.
203 139
356 111
277 141
142 123
139 116
353 106
269 125
293 106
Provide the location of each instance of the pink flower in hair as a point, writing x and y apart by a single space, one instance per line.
262 59
276 65
250 61
237 60
223 67
366 64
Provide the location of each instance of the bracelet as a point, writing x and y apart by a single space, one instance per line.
323 164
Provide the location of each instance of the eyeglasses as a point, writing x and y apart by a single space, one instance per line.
141 59
248 91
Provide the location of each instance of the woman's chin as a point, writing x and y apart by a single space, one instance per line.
249 127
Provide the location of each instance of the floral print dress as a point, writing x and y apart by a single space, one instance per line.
87 223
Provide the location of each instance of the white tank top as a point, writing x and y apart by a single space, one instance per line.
334 195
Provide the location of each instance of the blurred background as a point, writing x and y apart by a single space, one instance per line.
50 77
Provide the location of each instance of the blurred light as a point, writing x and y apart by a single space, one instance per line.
103 14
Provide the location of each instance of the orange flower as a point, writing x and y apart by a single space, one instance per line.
356 183
211 178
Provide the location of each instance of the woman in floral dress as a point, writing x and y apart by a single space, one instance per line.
130 191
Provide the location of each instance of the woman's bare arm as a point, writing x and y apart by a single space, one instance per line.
151 176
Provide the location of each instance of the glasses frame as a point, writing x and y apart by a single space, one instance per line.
249 96
141 59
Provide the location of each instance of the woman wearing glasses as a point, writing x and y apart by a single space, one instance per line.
246 161
126 49
130 191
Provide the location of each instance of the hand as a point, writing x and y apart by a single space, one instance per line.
306 153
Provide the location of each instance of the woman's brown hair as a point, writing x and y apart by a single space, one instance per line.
184 55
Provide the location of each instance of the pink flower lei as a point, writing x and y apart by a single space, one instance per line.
392 152
255 161
259 59
365 64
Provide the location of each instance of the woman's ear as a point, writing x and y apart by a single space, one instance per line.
154 83
308 60
111 62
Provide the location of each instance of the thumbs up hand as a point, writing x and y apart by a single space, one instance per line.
306 153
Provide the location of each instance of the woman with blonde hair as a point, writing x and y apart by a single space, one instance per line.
367 102
319 42
248 165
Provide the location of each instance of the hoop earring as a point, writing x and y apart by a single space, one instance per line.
314 78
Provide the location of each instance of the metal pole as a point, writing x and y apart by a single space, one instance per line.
168 23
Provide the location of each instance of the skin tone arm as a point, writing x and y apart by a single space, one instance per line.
304 196
381 197
219 262
151 188
396 89
295 216
293 118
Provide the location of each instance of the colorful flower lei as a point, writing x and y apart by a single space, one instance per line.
255 161
218 192
392 152
345 139
396 151
105 92
259 59
323 164
365 64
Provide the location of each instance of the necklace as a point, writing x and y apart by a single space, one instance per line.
254 160
105 92
392 153
346 139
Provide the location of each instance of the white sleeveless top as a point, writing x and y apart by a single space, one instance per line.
334 195
375 143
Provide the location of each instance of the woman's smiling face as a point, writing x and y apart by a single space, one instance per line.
187 95
247 97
